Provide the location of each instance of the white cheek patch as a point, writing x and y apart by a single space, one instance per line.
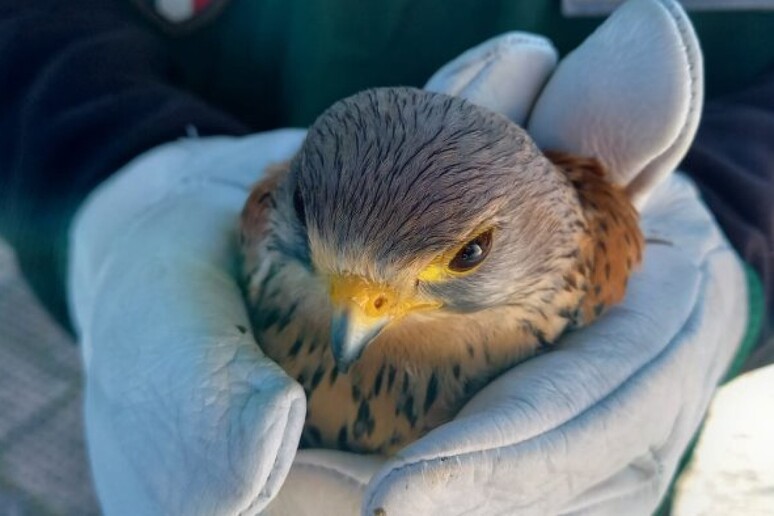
577 8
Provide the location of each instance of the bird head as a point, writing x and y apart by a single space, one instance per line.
406 203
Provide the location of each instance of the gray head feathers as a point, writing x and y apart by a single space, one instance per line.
389 178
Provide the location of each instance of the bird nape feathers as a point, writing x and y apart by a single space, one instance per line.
416 247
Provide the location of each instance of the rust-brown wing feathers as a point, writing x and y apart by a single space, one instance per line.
615 243
257 211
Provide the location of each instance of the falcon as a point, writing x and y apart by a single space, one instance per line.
416 247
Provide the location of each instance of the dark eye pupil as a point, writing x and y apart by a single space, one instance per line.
298 205
473 253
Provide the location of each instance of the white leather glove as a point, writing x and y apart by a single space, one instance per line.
184 414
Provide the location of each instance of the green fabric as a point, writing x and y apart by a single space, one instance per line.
751 337
281 62
757 302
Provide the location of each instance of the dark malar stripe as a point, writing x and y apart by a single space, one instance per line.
334 374
266 318
541 338
378 381
264 286
342 438
316 377
285 319
364 424
391 377
565 313
471 387
405 386
431 393
408 411
295 348
314 437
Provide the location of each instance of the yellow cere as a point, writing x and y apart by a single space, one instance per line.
373 300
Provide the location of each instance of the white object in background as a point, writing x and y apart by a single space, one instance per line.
732 467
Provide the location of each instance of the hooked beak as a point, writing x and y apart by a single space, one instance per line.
351 333
362 309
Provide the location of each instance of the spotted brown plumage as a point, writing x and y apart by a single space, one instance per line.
615 243
415 248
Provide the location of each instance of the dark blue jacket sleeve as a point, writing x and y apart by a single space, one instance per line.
83 89
732 161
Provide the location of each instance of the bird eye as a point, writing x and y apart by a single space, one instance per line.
298 205
472 253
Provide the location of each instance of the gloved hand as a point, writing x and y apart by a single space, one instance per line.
185 415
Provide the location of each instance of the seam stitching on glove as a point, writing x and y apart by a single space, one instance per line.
678 19
509 43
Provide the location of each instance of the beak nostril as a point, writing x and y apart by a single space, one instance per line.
379 302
